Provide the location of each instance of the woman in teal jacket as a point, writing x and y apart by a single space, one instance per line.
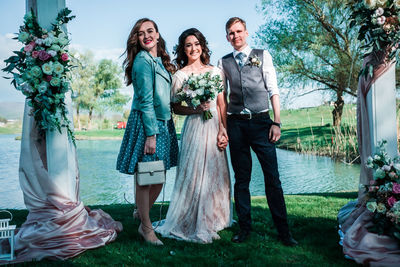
150 133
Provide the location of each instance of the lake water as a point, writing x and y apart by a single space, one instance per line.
102 184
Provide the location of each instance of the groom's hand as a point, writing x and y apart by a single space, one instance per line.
274 133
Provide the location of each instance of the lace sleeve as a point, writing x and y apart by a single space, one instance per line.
177 82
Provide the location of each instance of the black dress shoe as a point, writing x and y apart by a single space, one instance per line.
288 241
241 236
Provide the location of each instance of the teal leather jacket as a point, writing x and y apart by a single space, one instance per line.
147 72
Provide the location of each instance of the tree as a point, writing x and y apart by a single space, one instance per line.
82 79
313 46
95 86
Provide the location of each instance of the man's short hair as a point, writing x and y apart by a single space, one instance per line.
232 21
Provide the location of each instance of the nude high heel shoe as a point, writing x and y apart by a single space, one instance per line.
152 242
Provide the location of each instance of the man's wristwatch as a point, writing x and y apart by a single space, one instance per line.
277 124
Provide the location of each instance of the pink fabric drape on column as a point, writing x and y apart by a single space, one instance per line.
365 247
58 225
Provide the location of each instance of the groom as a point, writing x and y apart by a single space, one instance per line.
252 80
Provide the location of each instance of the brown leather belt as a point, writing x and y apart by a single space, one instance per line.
249 116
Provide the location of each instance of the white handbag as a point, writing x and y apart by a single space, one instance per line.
152 172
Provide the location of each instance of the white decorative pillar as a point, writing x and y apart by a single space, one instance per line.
61 161
381 105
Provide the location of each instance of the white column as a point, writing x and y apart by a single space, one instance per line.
61 159
381 105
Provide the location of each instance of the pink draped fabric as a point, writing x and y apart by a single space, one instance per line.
365 247
58 225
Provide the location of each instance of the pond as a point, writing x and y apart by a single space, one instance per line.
102 184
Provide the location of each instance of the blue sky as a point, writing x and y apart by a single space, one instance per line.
102 26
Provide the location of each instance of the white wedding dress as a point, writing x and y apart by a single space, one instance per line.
201 199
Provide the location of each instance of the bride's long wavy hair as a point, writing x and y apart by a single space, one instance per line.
133 48
181 59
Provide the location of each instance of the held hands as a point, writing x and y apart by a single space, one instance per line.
150 145
274 133
222 139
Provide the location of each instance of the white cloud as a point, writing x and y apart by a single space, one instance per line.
101 53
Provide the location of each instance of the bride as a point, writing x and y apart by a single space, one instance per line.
200 203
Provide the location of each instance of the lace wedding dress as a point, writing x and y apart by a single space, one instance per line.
201 199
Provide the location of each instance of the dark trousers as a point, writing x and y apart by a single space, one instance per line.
253 133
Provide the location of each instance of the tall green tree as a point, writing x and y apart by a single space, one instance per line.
96 86
313 46
82 80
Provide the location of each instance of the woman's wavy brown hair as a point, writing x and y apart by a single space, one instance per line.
181 59
133 48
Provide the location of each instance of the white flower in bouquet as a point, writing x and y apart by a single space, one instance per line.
55 81
396 3
39 41
386 168
377 157
397 167
381 20
43 87
379 12
47 68
379 174
200 91
55 47
52 53
381 208
371 206
23 37
58 68
36 71
371 4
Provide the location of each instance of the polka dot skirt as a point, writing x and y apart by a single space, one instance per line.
132 146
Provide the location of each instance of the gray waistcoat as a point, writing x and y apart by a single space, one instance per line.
247 86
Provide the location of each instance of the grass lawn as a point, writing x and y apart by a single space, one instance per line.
312 219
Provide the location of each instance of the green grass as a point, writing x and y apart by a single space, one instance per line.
312 219
11 128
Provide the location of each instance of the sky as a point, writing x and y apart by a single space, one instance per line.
103 26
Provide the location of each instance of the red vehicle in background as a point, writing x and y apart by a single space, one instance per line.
120 125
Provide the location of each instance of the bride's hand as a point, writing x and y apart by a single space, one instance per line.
150 145
222 139
204 106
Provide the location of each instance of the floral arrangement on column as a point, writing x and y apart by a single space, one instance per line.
383 194
379 28
39 70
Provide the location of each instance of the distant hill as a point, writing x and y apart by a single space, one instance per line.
12 110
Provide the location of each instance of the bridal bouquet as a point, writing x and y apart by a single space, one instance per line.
39 70
383 194
200 88
379 27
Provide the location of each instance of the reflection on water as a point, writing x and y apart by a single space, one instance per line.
102 184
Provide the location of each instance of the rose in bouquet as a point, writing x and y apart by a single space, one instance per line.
200 88
378 27
383 194
39 70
